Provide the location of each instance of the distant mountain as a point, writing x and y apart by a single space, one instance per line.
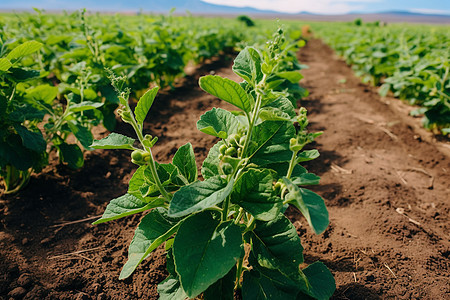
194 6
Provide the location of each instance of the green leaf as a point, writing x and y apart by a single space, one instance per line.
5 64
272 142
284 105
144 105
24 49
253 191
21 74
184 160
292 76
199 195
222 289
227 90
33 140
126 205
82 133
211 163
44 93
218 122
305 179
277 246
282 168
205 250
307 155
85 105
153 230
72 155
274 114
170 289
257 286
114 141
248 65
310 205
321 282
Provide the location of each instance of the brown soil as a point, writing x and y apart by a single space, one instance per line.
385 185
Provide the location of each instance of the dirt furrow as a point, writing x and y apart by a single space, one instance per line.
386 188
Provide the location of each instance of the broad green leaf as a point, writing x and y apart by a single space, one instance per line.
284 105
33 140
124 206
205 249
44 93
292 76
307 155
248 65
272 142
170 289
310 205
282 168
272 283
82 133
211 163
274 114
72 155
5 64
227 90
85 105
305 179
256 286
222 289
277 246
20 74
114 141
14 153
321 282
199 195
184 160
153 230
24 49
144 105
3 105
253 191
218 122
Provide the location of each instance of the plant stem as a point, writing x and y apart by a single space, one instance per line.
255 114
292 164
238 273
151 163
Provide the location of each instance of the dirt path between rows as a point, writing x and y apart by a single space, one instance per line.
386 188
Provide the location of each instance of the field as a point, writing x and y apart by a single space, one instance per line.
385 182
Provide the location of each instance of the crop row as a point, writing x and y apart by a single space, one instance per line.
412 62
54 76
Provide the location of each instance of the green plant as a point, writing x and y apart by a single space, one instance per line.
228 231
26 136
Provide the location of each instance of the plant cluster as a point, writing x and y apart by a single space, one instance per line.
413 63
53 82
34 122
228 232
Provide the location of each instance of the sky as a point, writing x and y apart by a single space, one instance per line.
286 6
343 6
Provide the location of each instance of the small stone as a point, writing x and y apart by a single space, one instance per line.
24 280
46 241
17 293
96 288
102 296
25 241
82 296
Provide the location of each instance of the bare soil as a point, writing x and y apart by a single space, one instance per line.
385 182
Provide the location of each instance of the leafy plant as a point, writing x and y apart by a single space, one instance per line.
26 135
228 232
413 63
